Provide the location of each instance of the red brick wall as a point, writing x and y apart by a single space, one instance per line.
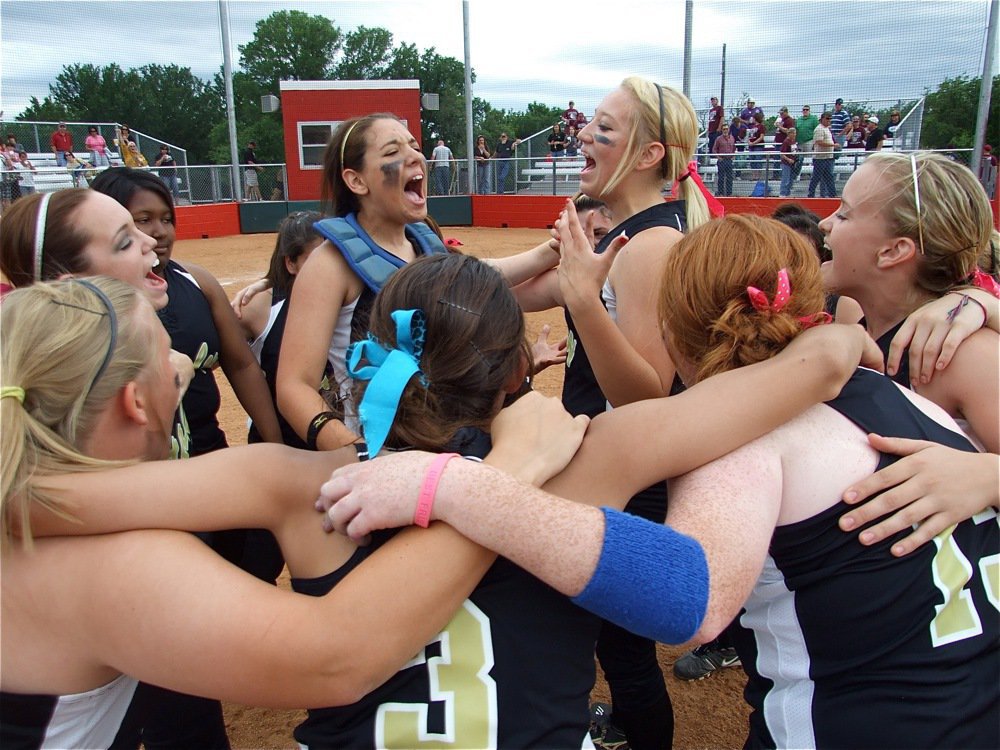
211 220
335 105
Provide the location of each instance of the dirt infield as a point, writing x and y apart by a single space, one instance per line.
709 714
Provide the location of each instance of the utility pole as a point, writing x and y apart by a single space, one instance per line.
227 74
985 88
470 156
722 93
688 14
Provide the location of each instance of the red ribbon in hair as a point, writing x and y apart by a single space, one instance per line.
782 295
715 207
760 301
983 280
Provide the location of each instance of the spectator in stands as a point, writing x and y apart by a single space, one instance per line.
168 170
97 147
442 160
133 157
504 153
856 134
782 124
78 170
557 141
572 142
571 116
483 156
12 144
875 136
804 127
755 140
128 148
822 161
748 112
9 191
61 142
739 133
789 162
716 122
724 148
250 172
890 128
125 133
839 122
27 173
989 156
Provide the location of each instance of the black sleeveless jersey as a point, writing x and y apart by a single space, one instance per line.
513 668
188 319
847 646
902 375
581 394
270 352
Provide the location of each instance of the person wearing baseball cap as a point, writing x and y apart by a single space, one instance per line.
875 135
840 118
748 112
782 125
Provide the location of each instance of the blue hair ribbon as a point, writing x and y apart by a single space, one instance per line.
389 370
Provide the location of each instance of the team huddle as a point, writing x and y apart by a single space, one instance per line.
832 496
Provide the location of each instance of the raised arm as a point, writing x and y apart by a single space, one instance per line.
628 356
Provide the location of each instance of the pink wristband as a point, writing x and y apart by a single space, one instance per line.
425 501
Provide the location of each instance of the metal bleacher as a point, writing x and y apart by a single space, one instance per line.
49 176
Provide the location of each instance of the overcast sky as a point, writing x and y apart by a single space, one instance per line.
779 51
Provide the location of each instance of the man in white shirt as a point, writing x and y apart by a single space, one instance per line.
822 161
442 158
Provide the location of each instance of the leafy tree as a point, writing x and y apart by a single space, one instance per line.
950 114
47 110
367 55
290 45
165 101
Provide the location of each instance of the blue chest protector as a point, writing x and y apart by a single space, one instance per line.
371 263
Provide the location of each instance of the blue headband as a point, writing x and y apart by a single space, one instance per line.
389 371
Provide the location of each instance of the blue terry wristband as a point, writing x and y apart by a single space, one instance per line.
650 579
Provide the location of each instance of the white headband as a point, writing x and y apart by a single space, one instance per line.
43 210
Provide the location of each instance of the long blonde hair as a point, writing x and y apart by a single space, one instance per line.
677 129
63 355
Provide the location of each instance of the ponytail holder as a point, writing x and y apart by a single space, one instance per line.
715 207
983 280
389 372
783 293
12 391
